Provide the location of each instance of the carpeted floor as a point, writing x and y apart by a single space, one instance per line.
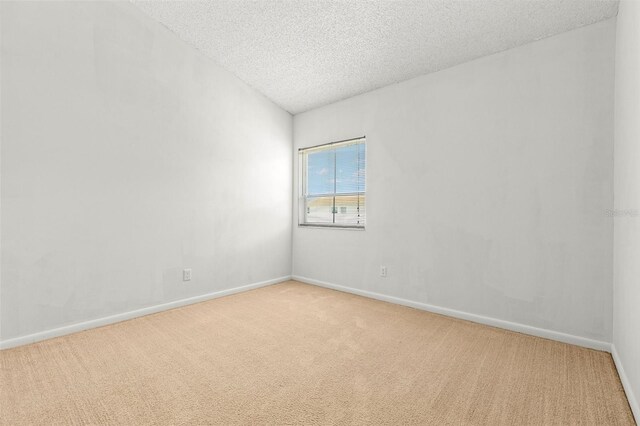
298 354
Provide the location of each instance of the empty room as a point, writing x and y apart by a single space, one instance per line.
320 212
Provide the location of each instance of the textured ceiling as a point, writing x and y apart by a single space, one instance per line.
306 53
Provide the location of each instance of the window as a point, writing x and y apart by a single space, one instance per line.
332 185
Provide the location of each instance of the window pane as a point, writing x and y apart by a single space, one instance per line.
320 172
319 209
350 210
347 169
362 168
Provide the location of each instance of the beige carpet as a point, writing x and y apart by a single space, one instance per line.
298 354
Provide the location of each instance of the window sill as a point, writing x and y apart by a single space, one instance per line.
321 226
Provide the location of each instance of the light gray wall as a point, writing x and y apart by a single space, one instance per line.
487 186
126 157
626 290
1 133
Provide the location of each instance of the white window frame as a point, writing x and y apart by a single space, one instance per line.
302 179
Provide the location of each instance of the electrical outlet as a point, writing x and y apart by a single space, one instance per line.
383 271
186 274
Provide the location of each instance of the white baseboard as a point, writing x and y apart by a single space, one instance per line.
99 322
626 384
520 328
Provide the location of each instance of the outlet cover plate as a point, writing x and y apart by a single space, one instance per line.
186 274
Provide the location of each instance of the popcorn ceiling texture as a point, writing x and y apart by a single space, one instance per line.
303 54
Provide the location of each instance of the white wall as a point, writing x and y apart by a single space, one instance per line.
626 290
126 157
487 187
1 133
